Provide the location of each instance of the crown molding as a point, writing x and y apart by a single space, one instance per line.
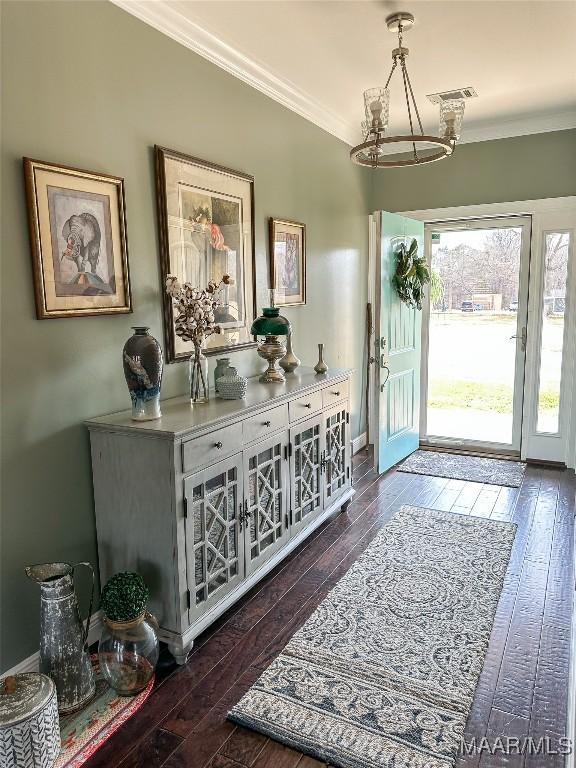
160 15
166 19
525 126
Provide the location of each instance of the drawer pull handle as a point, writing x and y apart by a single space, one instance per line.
267 423
218 445
336 394
307 405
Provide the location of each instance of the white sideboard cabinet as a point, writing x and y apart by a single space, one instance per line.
208 499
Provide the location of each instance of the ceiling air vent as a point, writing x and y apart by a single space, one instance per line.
458 93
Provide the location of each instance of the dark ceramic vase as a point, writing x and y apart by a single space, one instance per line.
143 366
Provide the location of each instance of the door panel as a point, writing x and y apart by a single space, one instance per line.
337 453
475 333
399 348
265 520
307 498
214 550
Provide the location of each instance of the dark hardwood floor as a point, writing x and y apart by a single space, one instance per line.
523 689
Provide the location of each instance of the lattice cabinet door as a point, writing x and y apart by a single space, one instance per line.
266 492
214 548
337 456
306 445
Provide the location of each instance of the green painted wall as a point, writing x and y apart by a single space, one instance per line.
522 168
87 85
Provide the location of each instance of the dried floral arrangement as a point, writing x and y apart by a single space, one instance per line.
411 275
124 597
196 320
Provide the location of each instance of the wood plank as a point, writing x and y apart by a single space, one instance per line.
219 761
275 755
309 762
521 514
153 750
486 501
244 746
211 732
467 498
504 753
447 498
515 687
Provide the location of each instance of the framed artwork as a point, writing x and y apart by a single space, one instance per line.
288 261
77 223
206 228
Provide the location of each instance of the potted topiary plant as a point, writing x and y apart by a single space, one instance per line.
128 649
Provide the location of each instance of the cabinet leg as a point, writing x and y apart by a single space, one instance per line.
345 506
180 650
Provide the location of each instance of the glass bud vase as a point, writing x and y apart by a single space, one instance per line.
198 376
128 652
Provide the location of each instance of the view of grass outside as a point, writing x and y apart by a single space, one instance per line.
472 388
472 357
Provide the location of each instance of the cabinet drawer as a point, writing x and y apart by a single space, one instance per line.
305 405
335 393
263 424
211 447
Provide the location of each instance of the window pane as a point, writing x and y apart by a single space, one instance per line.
556 248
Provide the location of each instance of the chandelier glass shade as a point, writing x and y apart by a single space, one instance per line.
416 147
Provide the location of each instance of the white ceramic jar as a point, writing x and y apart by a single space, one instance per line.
29 725
231 386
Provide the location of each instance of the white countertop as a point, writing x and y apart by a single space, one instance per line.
180 417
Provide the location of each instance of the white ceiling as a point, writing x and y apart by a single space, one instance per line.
318 56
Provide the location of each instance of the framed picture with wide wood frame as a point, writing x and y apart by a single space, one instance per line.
77 223
206 230
288 261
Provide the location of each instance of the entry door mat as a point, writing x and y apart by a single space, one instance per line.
84 732
459 467
382 675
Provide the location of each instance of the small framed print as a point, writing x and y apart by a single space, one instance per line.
77 225
288 261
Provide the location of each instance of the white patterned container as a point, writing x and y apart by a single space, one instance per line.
231 386
29 725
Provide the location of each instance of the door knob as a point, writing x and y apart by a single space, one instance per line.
523 338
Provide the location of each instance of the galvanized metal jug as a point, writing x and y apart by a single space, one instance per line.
63 639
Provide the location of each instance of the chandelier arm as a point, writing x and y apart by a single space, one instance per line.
403 66
414 100
391 73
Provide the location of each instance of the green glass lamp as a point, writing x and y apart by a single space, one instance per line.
271 325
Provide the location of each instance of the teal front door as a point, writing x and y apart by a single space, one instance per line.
399 349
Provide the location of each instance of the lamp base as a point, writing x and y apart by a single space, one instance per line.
272 376
272 350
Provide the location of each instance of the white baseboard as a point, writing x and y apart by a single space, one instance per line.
358 443
32 663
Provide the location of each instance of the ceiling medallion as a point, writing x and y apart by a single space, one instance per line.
421 148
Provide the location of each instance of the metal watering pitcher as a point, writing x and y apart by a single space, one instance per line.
63 640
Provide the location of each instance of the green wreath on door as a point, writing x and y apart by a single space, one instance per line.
412 274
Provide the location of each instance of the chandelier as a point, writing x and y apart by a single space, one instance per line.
419 148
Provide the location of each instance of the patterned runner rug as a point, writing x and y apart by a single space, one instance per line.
458 467
382 675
